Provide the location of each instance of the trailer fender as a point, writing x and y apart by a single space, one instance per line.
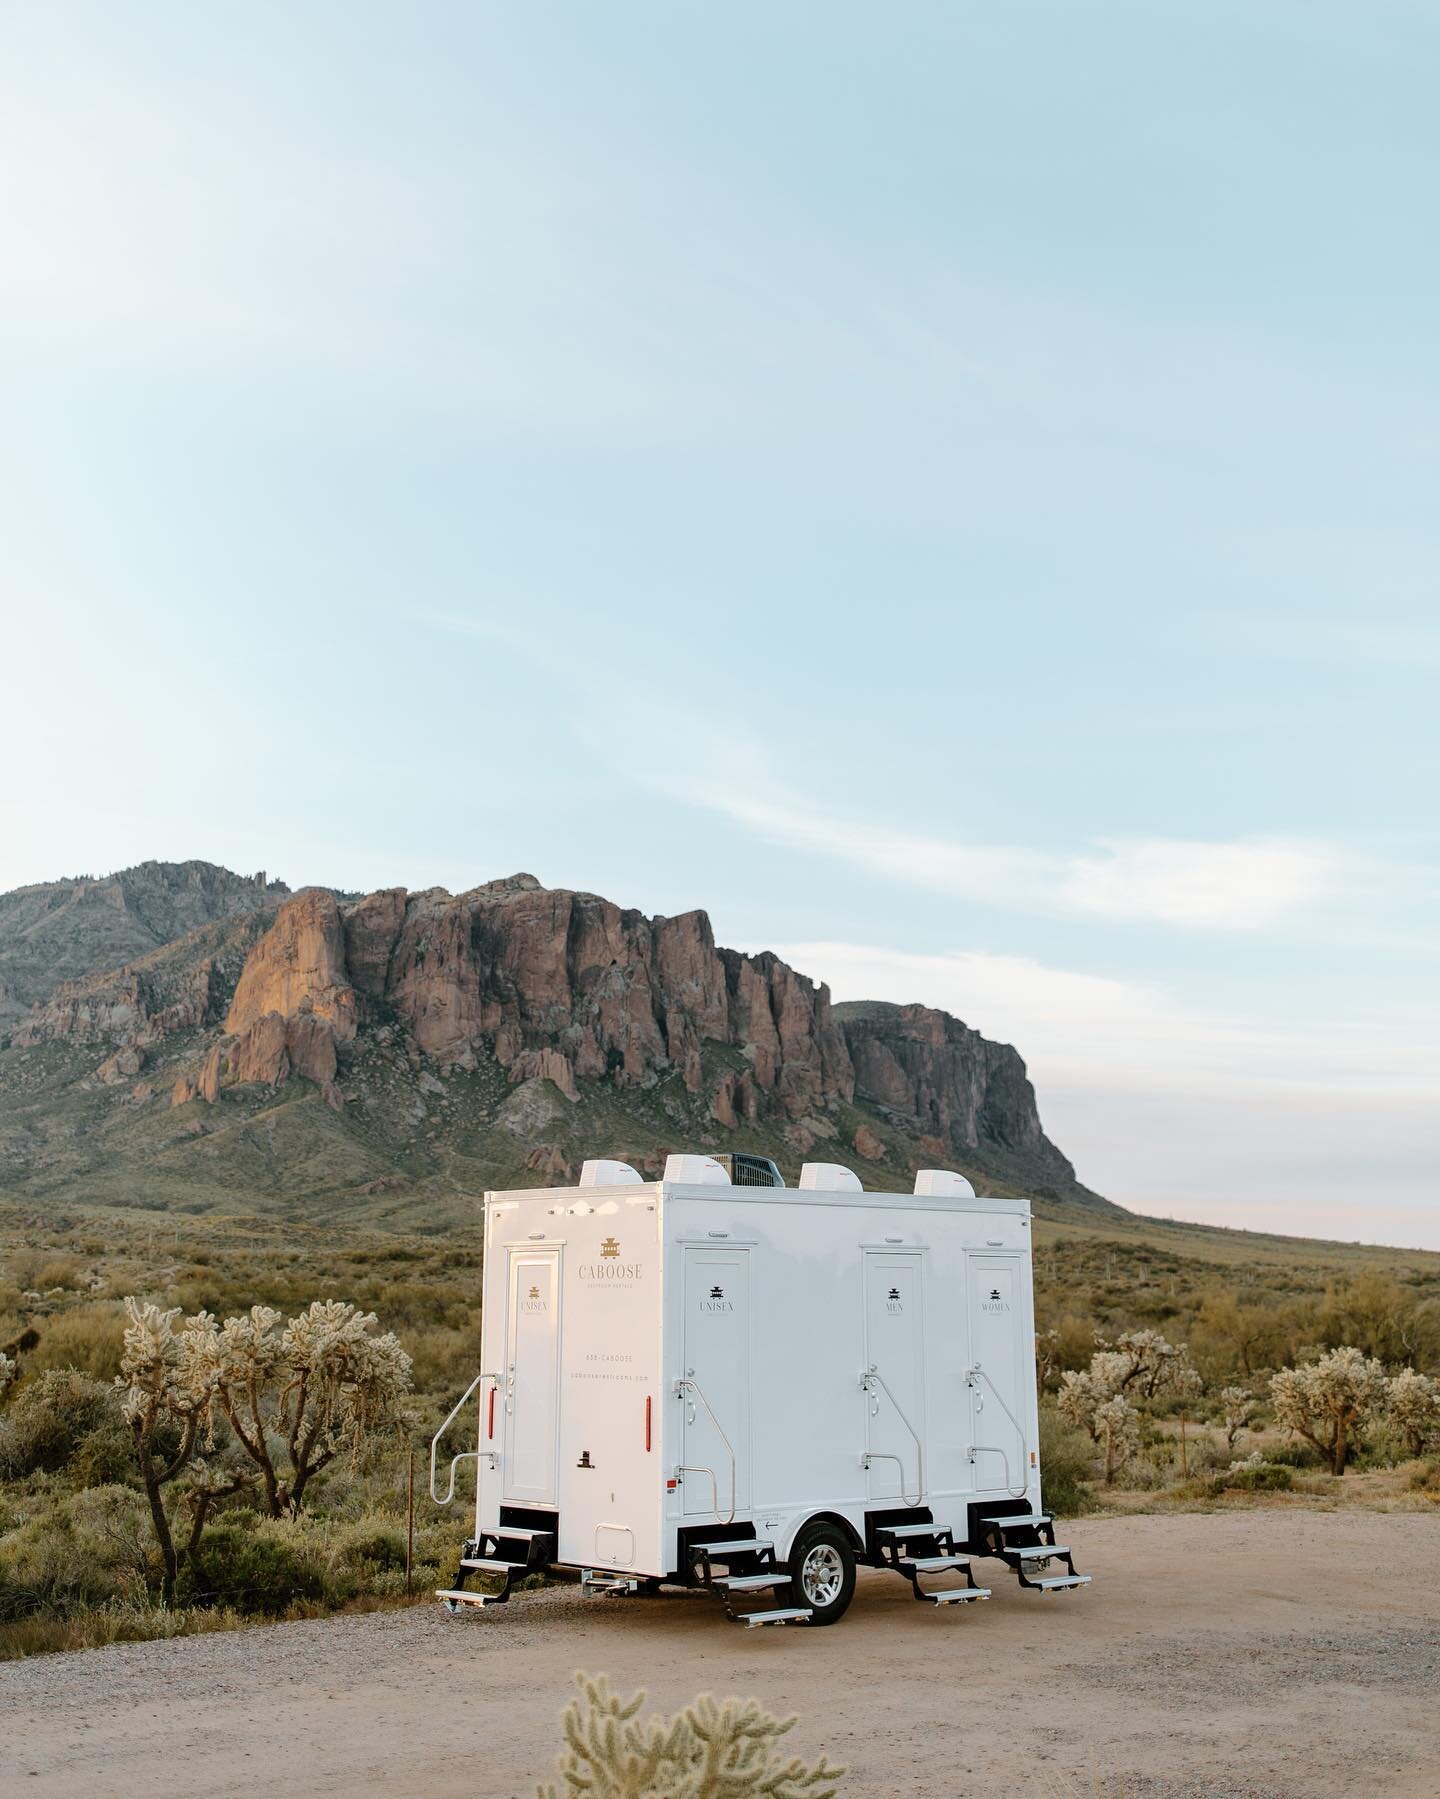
784 1539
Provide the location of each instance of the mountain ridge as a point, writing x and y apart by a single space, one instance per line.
325 1048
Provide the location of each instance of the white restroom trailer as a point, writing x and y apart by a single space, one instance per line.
755 1388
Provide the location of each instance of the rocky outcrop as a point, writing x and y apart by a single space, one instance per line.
398 999
299 965
964 1091
66 931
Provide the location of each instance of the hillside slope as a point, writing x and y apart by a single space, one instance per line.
400 1051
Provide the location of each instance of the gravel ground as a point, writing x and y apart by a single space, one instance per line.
1239 1654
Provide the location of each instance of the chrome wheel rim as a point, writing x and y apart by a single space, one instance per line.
822 1574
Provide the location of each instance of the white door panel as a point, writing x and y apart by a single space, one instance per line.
716 1432
531 1384
998 1400
895 1354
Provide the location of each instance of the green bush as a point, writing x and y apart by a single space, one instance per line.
1259 1477
84 1337
251 1568
1067 1460
65 1419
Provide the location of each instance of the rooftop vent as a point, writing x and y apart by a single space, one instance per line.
750 1171
696 1171
829 1177
609 1174
942 1183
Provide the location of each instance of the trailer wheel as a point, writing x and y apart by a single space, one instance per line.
822 1571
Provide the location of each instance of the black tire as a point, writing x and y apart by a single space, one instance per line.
822 1571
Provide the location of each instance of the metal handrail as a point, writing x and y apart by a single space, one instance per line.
681 1384
700 1468
467 1455
991 1449
873 1373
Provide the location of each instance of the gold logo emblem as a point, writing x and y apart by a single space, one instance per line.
534 1292
609 1250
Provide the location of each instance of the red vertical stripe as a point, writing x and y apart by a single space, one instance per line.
490 1422
647 1421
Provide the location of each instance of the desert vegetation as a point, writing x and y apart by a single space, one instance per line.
256 1398
709 1750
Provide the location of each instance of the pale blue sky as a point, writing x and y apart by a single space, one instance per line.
949 489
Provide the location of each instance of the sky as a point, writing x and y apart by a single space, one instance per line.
948 489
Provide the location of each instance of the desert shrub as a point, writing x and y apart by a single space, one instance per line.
251 1567
86 1337
1066 1464
48 1565
1413 1406
1328 1402
371 1548
1426 1479
1254 1476
63 1417
703 1752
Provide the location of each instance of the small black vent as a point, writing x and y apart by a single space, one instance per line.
751 1171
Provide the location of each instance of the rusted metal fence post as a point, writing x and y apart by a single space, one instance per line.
410 1525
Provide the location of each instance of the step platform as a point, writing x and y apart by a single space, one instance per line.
1059 1583
452 1598
784 1614
957 1595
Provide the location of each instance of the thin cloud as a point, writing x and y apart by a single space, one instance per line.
1101 1031
1249 884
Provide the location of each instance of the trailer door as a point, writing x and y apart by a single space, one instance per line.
1003 1358
716 1398
531 1384
895 1360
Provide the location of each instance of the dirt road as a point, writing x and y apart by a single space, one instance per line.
1240 1653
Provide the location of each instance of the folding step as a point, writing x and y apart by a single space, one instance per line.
899 1532
455 1597
1021 1521
472 1561
744 1583
521 1532
1056 1581
1035 1552
956 1595
732 1546
932 1564
785 1614
597 1581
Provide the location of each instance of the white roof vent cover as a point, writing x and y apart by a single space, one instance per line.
695 1171
942 1183
609 1174
829 1177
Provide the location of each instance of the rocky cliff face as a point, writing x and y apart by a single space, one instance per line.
397 1004
69 930
554 985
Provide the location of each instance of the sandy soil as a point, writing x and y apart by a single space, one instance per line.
1244 1653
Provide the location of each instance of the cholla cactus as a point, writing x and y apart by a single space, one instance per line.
1117 1428
9 1373
1413 1402
1237 1408
167 1386
298 1397
1144 1364
708 1751
1328 1401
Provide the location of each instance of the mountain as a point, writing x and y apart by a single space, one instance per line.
66 930
179 1036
